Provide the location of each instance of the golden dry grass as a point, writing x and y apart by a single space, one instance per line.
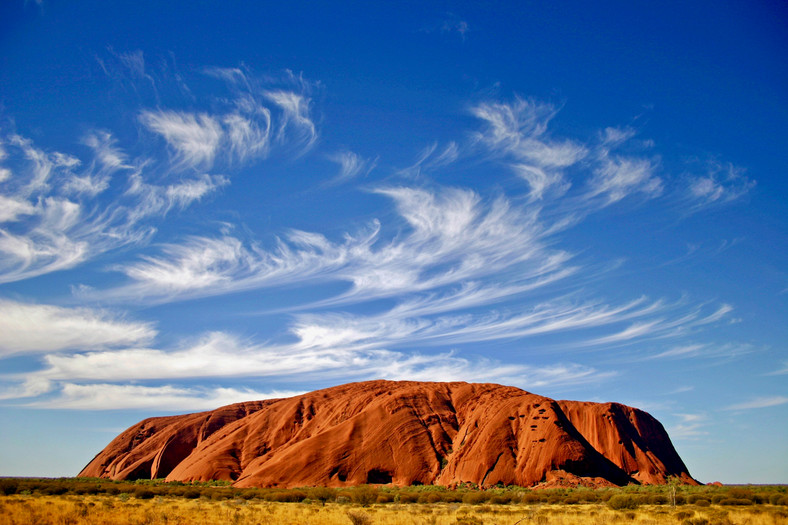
70 509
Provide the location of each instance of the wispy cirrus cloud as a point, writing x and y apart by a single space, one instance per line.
717 352
454 242
617 177
452 236
454 24
780 371
690 426
93 380
721 184
296 119
518 133
58 211
40 328
351 165
57 217
108 396
759 402
194 138
113 396
431 158
446 266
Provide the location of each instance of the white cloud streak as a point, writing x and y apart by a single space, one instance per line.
721 184
26 328
351 165
690 426
759 402
453 237
195 139
90 380
57 212
107 396
448 252
518 133
296 118
619 177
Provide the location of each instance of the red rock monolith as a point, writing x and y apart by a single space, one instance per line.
400 432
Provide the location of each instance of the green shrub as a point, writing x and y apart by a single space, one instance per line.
408 497
321 494
740 493
588 496
777 499
8 486
475 498
191 493
658 499
530 497
143 493
385 497
56 490
222 494
288 496
430 497
501 499
736 501
364 495
453 496
622 501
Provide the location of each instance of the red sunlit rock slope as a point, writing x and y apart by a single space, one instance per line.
402 433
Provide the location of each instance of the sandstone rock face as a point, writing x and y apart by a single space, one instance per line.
402 433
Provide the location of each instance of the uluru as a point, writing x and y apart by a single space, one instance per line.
400 432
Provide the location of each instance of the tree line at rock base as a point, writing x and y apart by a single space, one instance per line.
619 498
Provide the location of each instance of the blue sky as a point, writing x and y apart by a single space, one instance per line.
204 203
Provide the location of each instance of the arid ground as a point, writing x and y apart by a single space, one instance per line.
92 501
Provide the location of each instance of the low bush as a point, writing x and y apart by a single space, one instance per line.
143 493
288 496
695 521
530 497
321 494
453 496
623 501
658 499
408 497
430 497
8 486
385 497
501 499
587 496
475 498
364 495
469 520
736 501
191 494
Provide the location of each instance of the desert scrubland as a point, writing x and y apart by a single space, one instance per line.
26 501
